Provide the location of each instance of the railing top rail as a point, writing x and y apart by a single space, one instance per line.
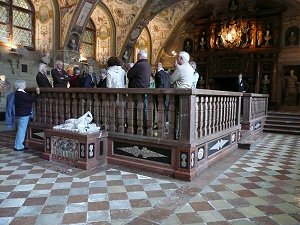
255 95
171 91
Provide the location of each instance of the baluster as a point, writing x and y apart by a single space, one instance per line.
218 112
140 114
96 109
82 102
150 115
55 108
230 112
197 117
172 118
214 117
222 115
201 119
38 109
234 103
131 115
225 114
61 108
105 111
206 118
121 113
112 112
68 106
50 111
210 115
161 117
74 105
89 103
44 102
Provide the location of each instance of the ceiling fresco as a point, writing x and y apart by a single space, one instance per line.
122 22
125 14
104 34
162 25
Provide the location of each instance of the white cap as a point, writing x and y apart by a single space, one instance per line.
185 56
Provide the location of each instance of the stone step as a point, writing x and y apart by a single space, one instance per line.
282 126
282 122
282 131
284 115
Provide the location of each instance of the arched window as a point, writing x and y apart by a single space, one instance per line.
16 22
89 40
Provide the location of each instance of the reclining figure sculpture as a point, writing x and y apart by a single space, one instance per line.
82 124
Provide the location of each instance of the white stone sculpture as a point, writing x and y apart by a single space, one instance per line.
82 124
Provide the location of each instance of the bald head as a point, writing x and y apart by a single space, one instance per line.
159 66
142 54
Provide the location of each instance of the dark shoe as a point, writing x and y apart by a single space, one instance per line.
19 150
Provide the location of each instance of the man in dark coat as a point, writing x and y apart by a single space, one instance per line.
139 74
90 78
242 85
139 77
41 77
162 80
59 75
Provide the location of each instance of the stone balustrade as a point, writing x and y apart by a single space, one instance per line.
202 125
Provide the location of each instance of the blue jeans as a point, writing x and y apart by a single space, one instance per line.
22 127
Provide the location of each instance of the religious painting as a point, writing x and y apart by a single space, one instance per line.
44 14
104 32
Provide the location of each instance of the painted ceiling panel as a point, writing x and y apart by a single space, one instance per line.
164 23
125 14
103 34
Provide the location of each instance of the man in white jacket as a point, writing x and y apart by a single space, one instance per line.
115 73
182 77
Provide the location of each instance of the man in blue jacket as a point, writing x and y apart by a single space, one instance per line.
23 107
10 110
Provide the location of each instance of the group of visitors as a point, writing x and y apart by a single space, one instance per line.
112 77
138 74
19 103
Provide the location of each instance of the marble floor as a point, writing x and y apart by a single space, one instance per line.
257 186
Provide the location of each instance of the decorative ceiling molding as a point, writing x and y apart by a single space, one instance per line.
67 10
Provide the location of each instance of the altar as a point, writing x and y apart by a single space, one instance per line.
82 150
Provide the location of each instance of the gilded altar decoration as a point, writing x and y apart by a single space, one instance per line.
230 34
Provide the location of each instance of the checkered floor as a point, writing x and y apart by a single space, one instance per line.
262 187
